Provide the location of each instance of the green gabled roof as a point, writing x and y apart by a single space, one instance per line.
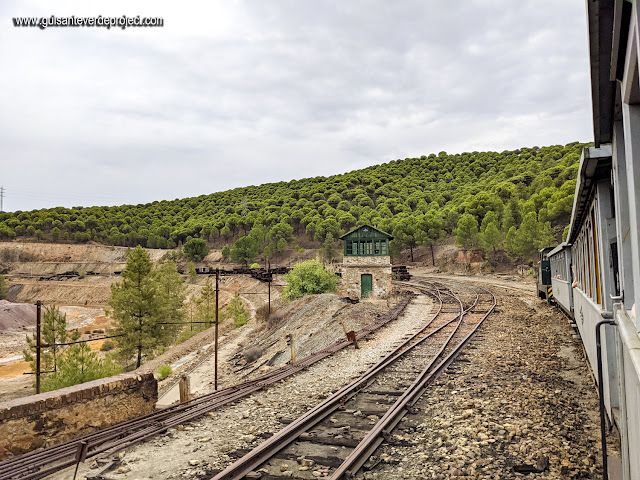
363 226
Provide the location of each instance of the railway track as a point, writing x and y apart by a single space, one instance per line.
338 436
45 462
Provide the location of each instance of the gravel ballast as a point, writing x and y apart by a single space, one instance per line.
520 397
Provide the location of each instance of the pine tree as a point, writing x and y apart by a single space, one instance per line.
207 303
191 271
245 250
429 230
467 235
491 237
141 301
329 248
53 332
236 310
78 364
532 235
172 296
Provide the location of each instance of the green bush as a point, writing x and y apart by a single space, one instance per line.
236 310
107 346
307 278
163 372
78 364
254 265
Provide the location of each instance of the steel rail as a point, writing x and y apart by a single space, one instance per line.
390 420
289 434
126 433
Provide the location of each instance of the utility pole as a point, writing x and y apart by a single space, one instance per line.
269 281
38 343
1 199
215 354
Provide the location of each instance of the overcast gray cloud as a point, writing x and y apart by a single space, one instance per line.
229 94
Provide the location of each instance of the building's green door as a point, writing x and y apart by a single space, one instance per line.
366 283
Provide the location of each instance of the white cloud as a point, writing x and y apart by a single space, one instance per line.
240 93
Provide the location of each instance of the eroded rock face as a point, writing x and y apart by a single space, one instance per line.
56 417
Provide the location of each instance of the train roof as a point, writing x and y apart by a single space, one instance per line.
558 249
608 34
595 164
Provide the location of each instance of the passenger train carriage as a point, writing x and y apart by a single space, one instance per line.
595 274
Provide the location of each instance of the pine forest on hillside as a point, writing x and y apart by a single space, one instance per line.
521 198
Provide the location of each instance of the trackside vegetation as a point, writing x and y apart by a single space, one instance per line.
65 365
307 278
527 192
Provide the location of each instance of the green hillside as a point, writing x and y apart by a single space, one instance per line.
522 193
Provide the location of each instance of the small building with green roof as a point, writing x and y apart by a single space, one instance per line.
366 267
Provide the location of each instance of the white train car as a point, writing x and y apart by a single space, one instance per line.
604 235
562 277
590 243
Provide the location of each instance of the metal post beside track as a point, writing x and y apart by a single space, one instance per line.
38 343
215 352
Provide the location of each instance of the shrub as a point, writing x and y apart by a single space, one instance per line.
254 265
163 372
308 278
262 313
107 346
78 364
274 319
252 354
236 310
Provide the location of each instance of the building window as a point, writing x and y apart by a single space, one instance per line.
349 248
383 249
377 247
369 247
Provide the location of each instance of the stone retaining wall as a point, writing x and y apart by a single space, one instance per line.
56 417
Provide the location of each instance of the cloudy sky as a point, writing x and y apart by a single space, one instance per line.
236 93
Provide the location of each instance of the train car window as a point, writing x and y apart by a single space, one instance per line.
596 263
613 263
588 251
585 260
